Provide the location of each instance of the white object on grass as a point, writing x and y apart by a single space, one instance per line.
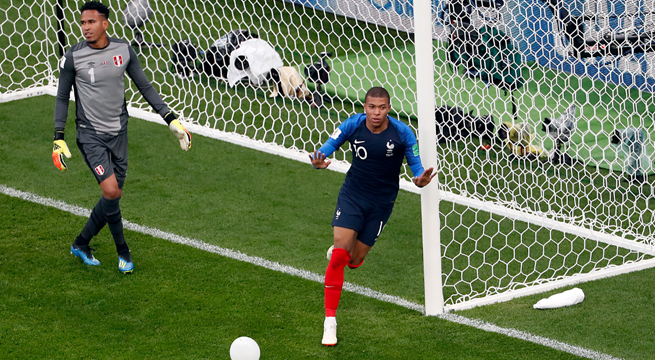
261 57
566 298
244 348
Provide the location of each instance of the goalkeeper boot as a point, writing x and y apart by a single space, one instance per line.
84 253
330 331
125 264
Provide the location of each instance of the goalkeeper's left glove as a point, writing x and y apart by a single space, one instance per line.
59 150
182 134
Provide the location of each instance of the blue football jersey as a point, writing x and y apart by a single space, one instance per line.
376 158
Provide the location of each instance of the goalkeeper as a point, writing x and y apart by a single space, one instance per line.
378 144
96 68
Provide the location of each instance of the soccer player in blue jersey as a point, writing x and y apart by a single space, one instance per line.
379 144
96 68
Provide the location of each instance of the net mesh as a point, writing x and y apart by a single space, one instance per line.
24 55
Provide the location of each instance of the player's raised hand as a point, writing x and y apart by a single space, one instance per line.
181 133
319 160
425 178
59 150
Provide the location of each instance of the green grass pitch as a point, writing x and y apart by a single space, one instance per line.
185 303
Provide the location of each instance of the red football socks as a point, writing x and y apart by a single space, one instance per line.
334 280
355 266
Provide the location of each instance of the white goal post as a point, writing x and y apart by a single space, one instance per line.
521 204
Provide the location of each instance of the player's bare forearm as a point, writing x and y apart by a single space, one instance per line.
425 178
319 160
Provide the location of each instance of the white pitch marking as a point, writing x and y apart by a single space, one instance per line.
361 290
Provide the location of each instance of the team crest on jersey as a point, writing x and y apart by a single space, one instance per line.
390 147
118 60
99 170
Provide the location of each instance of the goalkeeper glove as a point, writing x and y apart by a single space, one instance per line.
59 150
182 134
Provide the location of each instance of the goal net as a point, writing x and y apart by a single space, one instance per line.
542 111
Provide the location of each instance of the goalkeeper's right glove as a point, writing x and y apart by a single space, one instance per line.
182 134
59 149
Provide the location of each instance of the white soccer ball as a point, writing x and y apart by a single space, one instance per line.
244 348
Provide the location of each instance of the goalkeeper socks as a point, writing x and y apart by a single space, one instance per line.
112 213
81 242
334 280
93 226
123 250
105 212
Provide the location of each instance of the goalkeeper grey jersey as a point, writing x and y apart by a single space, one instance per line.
97 76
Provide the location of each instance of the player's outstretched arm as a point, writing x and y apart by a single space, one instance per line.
179 130
59 150
425 178
319 160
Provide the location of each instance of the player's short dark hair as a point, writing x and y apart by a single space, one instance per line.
98 6
377 92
